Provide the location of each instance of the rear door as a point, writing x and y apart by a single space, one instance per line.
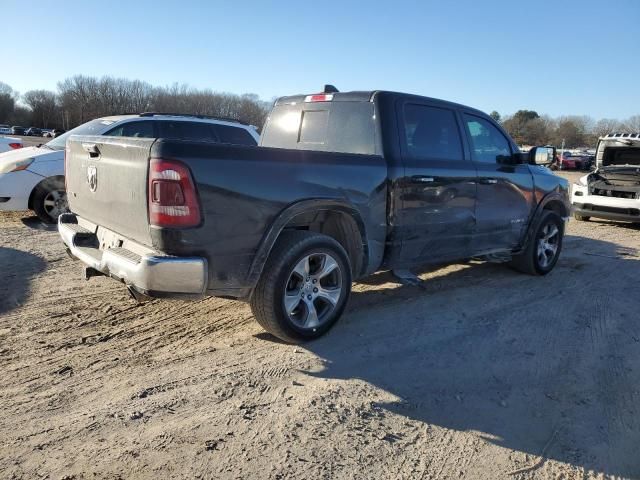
505 190
437 192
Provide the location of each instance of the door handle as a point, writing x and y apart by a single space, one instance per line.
488 181
422 179
91 149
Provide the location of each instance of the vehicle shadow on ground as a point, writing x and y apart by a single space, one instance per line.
17 268
542 365
35 223
628 226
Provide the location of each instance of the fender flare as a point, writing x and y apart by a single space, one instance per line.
288 214
554 196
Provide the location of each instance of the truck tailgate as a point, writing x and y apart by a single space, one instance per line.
106 181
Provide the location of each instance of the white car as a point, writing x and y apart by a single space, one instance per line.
5 129
612 191
33 177
9 143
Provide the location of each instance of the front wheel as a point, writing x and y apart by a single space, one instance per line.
543 249
50 200
304 287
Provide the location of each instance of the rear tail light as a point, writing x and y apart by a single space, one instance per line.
15 145
319 97
173 200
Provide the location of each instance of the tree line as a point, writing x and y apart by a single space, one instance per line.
527 127
81 98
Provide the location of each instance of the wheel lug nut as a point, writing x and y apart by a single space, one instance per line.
315 290
308 297
315 280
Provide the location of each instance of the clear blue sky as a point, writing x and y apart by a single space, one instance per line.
556 57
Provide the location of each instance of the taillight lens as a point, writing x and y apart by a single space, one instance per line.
173 200
15 145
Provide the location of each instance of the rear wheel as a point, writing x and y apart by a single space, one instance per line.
50 200
543 249
304 287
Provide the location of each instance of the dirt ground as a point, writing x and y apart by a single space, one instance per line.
483 373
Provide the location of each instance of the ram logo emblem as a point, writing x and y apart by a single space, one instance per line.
92 177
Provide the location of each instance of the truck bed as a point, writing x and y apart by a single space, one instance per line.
242 192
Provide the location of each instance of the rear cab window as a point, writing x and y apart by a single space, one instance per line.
332 126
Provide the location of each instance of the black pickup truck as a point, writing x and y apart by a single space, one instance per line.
341 186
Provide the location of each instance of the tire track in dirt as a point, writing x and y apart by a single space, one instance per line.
192 389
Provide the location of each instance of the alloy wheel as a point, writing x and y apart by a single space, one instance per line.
548 241
55 203
313 290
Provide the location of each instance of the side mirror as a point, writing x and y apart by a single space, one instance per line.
541 155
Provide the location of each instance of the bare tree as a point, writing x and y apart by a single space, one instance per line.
44 108
7 102
632 124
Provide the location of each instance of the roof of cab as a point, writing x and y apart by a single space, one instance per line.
369 96
337 97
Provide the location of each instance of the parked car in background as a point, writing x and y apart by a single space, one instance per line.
15 130
8 143
566 161
47 132
342 185
56 132
33 132
33 178
5 130
612 191
584 161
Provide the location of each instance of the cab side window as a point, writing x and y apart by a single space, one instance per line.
488 144
432 132
143 129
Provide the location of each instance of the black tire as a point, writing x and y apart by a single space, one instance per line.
530 261
50 200
279 278
581 218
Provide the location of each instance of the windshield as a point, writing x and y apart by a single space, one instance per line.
618 156
94 127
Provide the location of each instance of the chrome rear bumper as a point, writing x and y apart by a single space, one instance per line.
147 271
